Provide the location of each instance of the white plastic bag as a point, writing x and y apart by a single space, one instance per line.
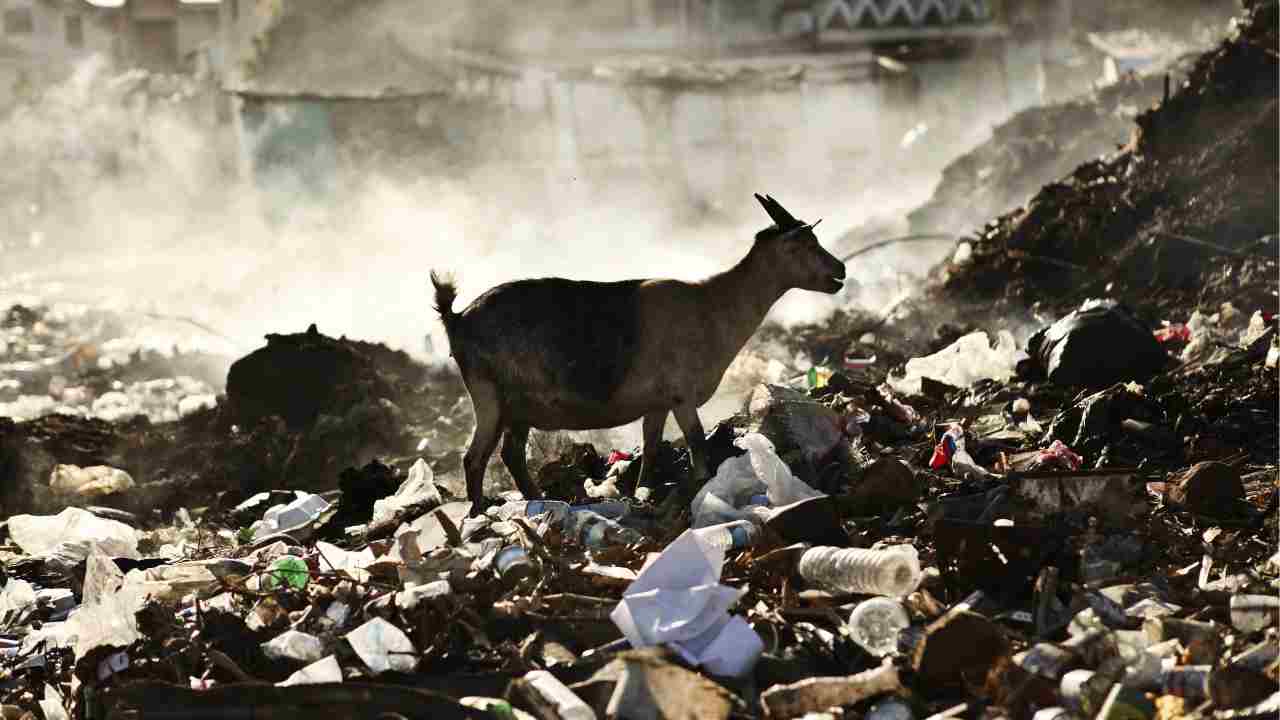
418 489
727 496
964 362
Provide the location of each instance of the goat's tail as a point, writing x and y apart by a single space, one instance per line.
446 293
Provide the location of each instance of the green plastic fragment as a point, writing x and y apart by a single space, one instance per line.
288 570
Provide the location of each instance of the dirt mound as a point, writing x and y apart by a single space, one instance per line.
1185 215
1030 149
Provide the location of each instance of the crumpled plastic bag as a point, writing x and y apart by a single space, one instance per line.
418 489
41 534
88 482
108 616
963 362
678 600
383 647
726 496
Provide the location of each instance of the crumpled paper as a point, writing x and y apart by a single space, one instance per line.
678 600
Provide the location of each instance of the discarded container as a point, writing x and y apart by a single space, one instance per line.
304 509
1125 703
545 691
1251 613
1084 691
893 571
513 564
950 450
596 531
732 535
875 624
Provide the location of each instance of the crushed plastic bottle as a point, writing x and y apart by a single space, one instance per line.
950 450
512 564
593 530
731 535
893 572
875 624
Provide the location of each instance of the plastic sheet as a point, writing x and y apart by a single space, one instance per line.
964 362
726 497
40 534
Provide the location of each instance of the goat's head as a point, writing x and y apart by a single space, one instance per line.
790 246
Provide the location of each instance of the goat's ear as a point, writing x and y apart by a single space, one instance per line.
777 213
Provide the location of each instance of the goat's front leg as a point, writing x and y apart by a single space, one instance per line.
652 432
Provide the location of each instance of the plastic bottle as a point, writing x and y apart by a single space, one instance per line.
893 571
513 564
596 531
1252 613
731 535
566 704
875 624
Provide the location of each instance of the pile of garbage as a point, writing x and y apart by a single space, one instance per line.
75 360
1005 530
935 520
1036 146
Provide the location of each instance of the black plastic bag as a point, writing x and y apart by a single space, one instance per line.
1094 347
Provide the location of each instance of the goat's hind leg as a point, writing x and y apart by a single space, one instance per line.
488 412
514 444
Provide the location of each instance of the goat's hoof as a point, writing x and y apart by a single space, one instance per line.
479 506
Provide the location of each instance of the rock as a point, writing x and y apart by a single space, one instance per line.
958 646
640 685
89 482
886 485
1209 488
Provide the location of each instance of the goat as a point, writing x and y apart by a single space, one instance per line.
557 354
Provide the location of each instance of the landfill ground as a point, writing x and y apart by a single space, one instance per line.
1081 521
